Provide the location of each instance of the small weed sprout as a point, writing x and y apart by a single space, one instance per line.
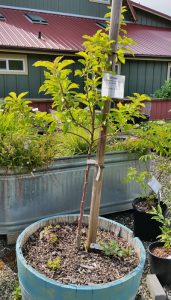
54 264
112 248
16 295
48 234
57 226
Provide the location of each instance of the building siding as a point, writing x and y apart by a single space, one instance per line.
146 18
80 7
32 82
141 76
144 76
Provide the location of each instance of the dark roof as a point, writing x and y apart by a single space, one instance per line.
64 34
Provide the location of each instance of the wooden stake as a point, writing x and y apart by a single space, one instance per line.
98 173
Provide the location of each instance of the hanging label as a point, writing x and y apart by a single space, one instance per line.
113 86
91 162
155 185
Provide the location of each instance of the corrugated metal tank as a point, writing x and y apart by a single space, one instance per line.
26 198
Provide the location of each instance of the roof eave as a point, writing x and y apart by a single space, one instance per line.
132 10
150 10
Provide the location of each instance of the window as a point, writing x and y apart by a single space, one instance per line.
36 19
169 71
13 64
101 1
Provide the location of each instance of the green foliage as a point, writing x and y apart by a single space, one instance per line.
165 235
21 146
88 110
48 234
54 264
164 170
165 91
16 295
142 179
156 134
113 248
124 42
73 108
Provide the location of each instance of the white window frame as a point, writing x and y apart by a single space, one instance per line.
169 71
101 1
7 58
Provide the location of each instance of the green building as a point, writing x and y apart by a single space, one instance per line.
32 30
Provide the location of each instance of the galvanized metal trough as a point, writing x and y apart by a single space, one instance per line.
26 198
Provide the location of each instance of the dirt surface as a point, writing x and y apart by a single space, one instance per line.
161 252
73 266
8 270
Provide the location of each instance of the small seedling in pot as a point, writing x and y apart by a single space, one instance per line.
57 226
48 234
54 264
113 248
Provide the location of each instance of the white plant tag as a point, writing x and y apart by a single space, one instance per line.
98 173
155 185
91 162
113 86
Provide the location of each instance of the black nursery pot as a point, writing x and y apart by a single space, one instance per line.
145 227
160 266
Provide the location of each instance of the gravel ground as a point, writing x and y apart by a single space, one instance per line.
8 269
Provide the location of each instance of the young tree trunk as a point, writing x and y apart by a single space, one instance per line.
99 169
82 204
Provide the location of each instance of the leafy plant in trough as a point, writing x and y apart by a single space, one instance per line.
22 148
89 110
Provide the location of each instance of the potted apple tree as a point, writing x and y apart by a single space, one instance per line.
71 256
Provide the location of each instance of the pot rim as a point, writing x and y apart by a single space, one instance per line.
139 199
154 245
75 286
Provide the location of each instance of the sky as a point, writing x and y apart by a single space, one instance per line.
163 6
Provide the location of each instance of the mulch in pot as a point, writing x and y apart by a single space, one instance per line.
76 267
162 252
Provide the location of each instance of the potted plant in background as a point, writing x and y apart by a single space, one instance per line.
160 251
77 283
145 227
157 136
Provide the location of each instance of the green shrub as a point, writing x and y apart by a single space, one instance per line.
164 91
21 145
